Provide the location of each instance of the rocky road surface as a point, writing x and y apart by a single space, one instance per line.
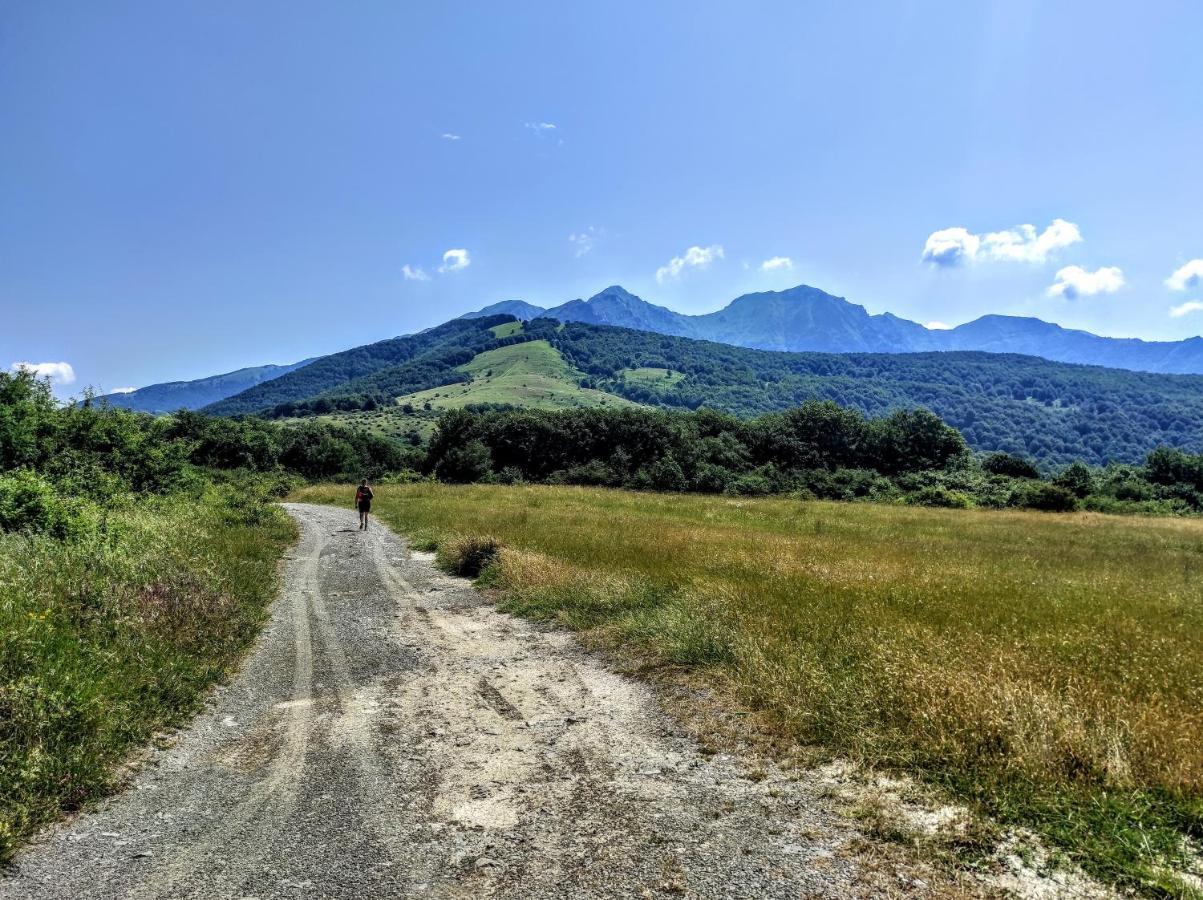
393 735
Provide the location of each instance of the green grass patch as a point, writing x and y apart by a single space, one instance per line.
1044 668
651 378
111 637
506 329
532 374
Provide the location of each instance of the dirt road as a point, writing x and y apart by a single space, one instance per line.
393 735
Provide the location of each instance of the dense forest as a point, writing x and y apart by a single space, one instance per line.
1054 413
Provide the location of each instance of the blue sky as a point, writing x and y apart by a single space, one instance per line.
186 188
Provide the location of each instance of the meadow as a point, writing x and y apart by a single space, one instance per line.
1043 668
113 635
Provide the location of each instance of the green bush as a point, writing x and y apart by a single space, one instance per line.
1077 479
1048 497
465 463
1010 465
30 504
939 496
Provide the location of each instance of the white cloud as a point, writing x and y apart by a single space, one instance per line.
449 136
1187 276
950 247
57 372
776 262
937 326
123 390
1186 308
583 242
541 127
454 260
1074 281
414 273
694 258
1023 243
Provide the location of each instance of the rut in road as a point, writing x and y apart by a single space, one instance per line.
393 735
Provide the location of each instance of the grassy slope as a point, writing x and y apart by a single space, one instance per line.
106 641
532 374
1042 667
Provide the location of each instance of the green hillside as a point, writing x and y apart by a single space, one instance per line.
1052 412
530 374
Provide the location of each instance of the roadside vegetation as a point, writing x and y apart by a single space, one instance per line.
1043 668
137 560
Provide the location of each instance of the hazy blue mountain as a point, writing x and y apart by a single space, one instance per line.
519 309
807 319
617 306
172 395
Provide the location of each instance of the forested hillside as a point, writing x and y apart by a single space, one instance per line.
428 359
1052 412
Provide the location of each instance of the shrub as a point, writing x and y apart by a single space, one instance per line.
30 504
464 464
467 555
940 496
1077 479
1010 465
1048 497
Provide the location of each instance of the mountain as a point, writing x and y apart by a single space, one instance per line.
1053 412
172 395
429 358
804 318
519 309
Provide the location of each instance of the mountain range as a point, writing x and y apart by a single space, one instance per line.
1049 411
801 319
805 318
172 395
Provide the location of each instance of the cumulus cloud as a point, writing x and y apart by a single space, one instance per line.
1189 276
777 262
951 247
454 260
1074 281
937 326
449 136
583 242
1186 308
57 372
693 258
414 273
1023 243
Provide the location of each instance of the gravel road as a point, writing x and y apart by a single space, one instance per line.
393 735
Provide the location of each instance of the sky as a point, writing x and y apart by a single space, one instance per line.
191 187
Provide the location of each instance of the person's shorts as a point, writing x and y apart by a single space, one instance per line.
365 506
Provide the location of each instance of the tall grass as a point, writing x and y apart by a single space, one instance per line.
108 638
1046 668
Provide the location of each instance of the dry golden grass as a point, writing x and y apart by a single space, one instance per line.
1044 667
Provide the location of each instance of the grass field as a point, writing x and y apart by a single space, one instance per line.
107 639
1044 668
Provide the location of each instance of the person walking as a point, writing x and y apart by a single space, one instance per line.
363 502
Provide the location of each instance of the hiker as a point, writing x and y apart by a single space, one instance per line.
363 502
